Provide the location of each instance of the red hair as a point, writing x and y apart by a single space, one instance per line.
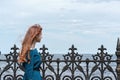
30 36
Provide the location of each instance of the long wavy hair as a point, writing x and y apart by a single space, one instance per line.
30 36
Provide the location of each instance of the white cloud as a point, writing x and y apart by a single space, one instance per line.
92 1
63 21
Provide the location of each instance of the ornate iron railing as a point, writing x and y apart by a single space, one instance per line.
71 66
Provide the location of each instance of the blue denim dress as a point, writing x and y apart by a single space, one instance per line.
32 69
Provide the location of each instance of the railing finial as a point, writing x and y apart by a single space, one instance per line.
118 58
118 45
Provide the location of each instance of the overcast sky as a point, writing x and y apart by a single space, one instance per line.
85 23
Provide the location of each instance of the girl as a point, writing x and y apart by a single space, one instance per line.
29 55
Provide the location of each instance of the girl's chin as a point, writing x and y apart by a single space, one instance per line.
38 40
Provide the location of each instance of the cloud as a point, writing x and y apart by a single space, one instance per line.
17 11
63 21
92 1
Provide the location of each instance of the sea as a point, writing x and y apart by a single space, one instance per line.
62 64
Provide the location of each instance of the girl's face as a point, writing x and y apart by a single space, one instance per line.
39 37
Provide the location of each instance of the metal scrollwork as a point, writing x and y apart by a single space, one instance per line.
49 77
12 65
67 78
19 77
78 78
108 78
8 77
70 66
96 78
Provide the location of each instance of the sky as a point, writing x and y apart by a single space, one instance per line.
85 23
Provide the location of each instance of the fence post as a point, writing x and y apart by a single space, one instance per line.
118 59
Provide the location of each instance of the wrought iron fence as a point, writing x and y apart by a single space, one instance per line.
71 66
